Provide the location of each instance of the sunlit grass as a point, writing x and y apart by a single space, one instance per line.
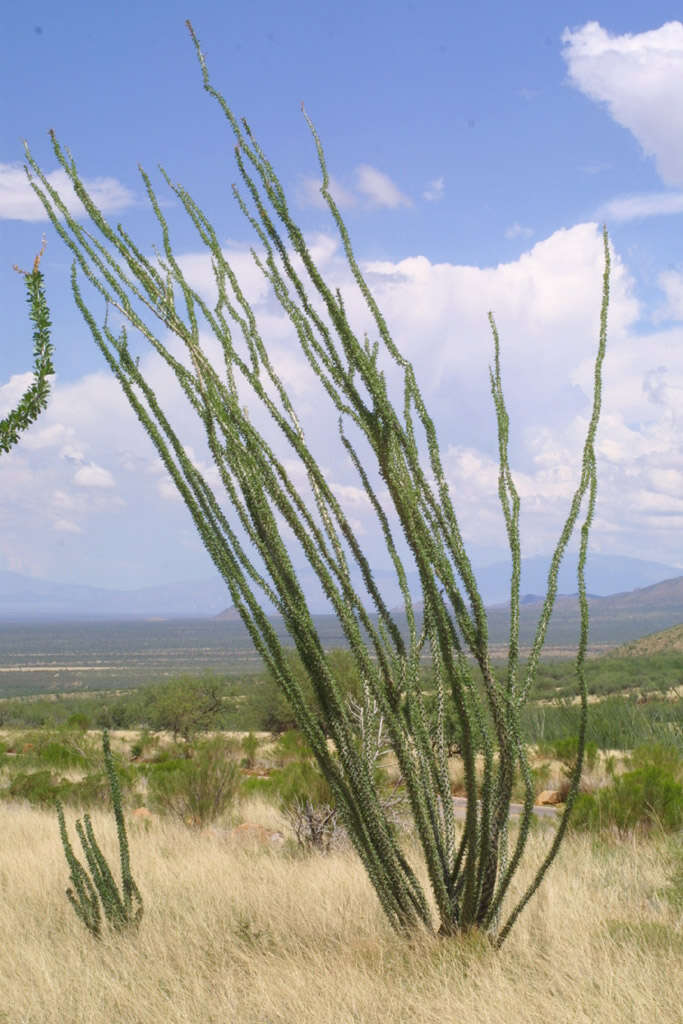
257 936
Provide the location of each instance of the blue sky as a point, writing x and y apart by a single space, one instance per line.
474 151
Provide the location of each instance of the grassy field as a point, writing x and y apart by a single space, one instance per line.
238 929
241 930
254 935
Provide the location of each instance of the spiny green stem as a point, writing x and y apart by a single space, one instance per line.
252 550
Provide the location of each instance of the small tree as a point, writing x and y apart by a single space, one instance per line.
34 398
185 705
470 876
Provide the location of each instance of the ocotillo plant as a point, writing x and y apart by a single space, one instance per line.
34 399
470 875
99 887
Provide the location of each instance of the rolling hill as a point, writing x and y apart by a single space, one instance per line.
666 641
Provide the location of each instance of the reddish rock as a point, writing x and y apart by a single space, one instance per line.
248 832
142 814
548 797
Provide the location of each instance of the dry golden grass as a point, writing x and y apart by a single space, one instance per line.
232 935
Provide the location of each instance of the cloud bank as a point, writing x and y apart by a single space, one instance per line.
86 482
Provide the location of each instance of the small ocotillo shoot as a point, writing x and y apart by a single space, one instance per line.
90 894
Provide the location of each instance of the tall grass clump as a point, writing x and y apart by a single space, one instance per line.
255 531
98 891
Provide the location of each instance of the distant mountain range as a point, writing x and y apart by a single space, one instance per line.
24 598
617 618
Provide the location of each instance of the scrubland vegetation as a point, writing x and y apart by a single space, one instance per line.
281 924
634 700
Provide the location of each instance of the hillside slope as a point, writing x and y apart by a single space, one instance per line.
666 641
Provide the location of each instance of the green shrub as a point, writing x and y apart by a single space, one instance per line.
661 755
540 777
252 786
40 788
301 781
198 789
642 799
104 718
144 743
79 721
306 800
616 723
565 750
61 755
250 746
291 746
276 713
91 791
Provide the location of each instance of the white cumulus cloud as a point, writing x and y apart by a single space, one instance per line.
379 188
376 187
671 283
93 475
308 194
639 77
18 201
546 304
624 208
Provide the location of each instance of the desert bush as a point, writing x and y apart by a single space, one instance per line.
90 791
61 755
291 746
250 745
566 750
170 753
306 799
274 709
199 789
300 781
144 743
307 802
616 723
40 788
646 798
665 756
31 780
79 720
540 777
